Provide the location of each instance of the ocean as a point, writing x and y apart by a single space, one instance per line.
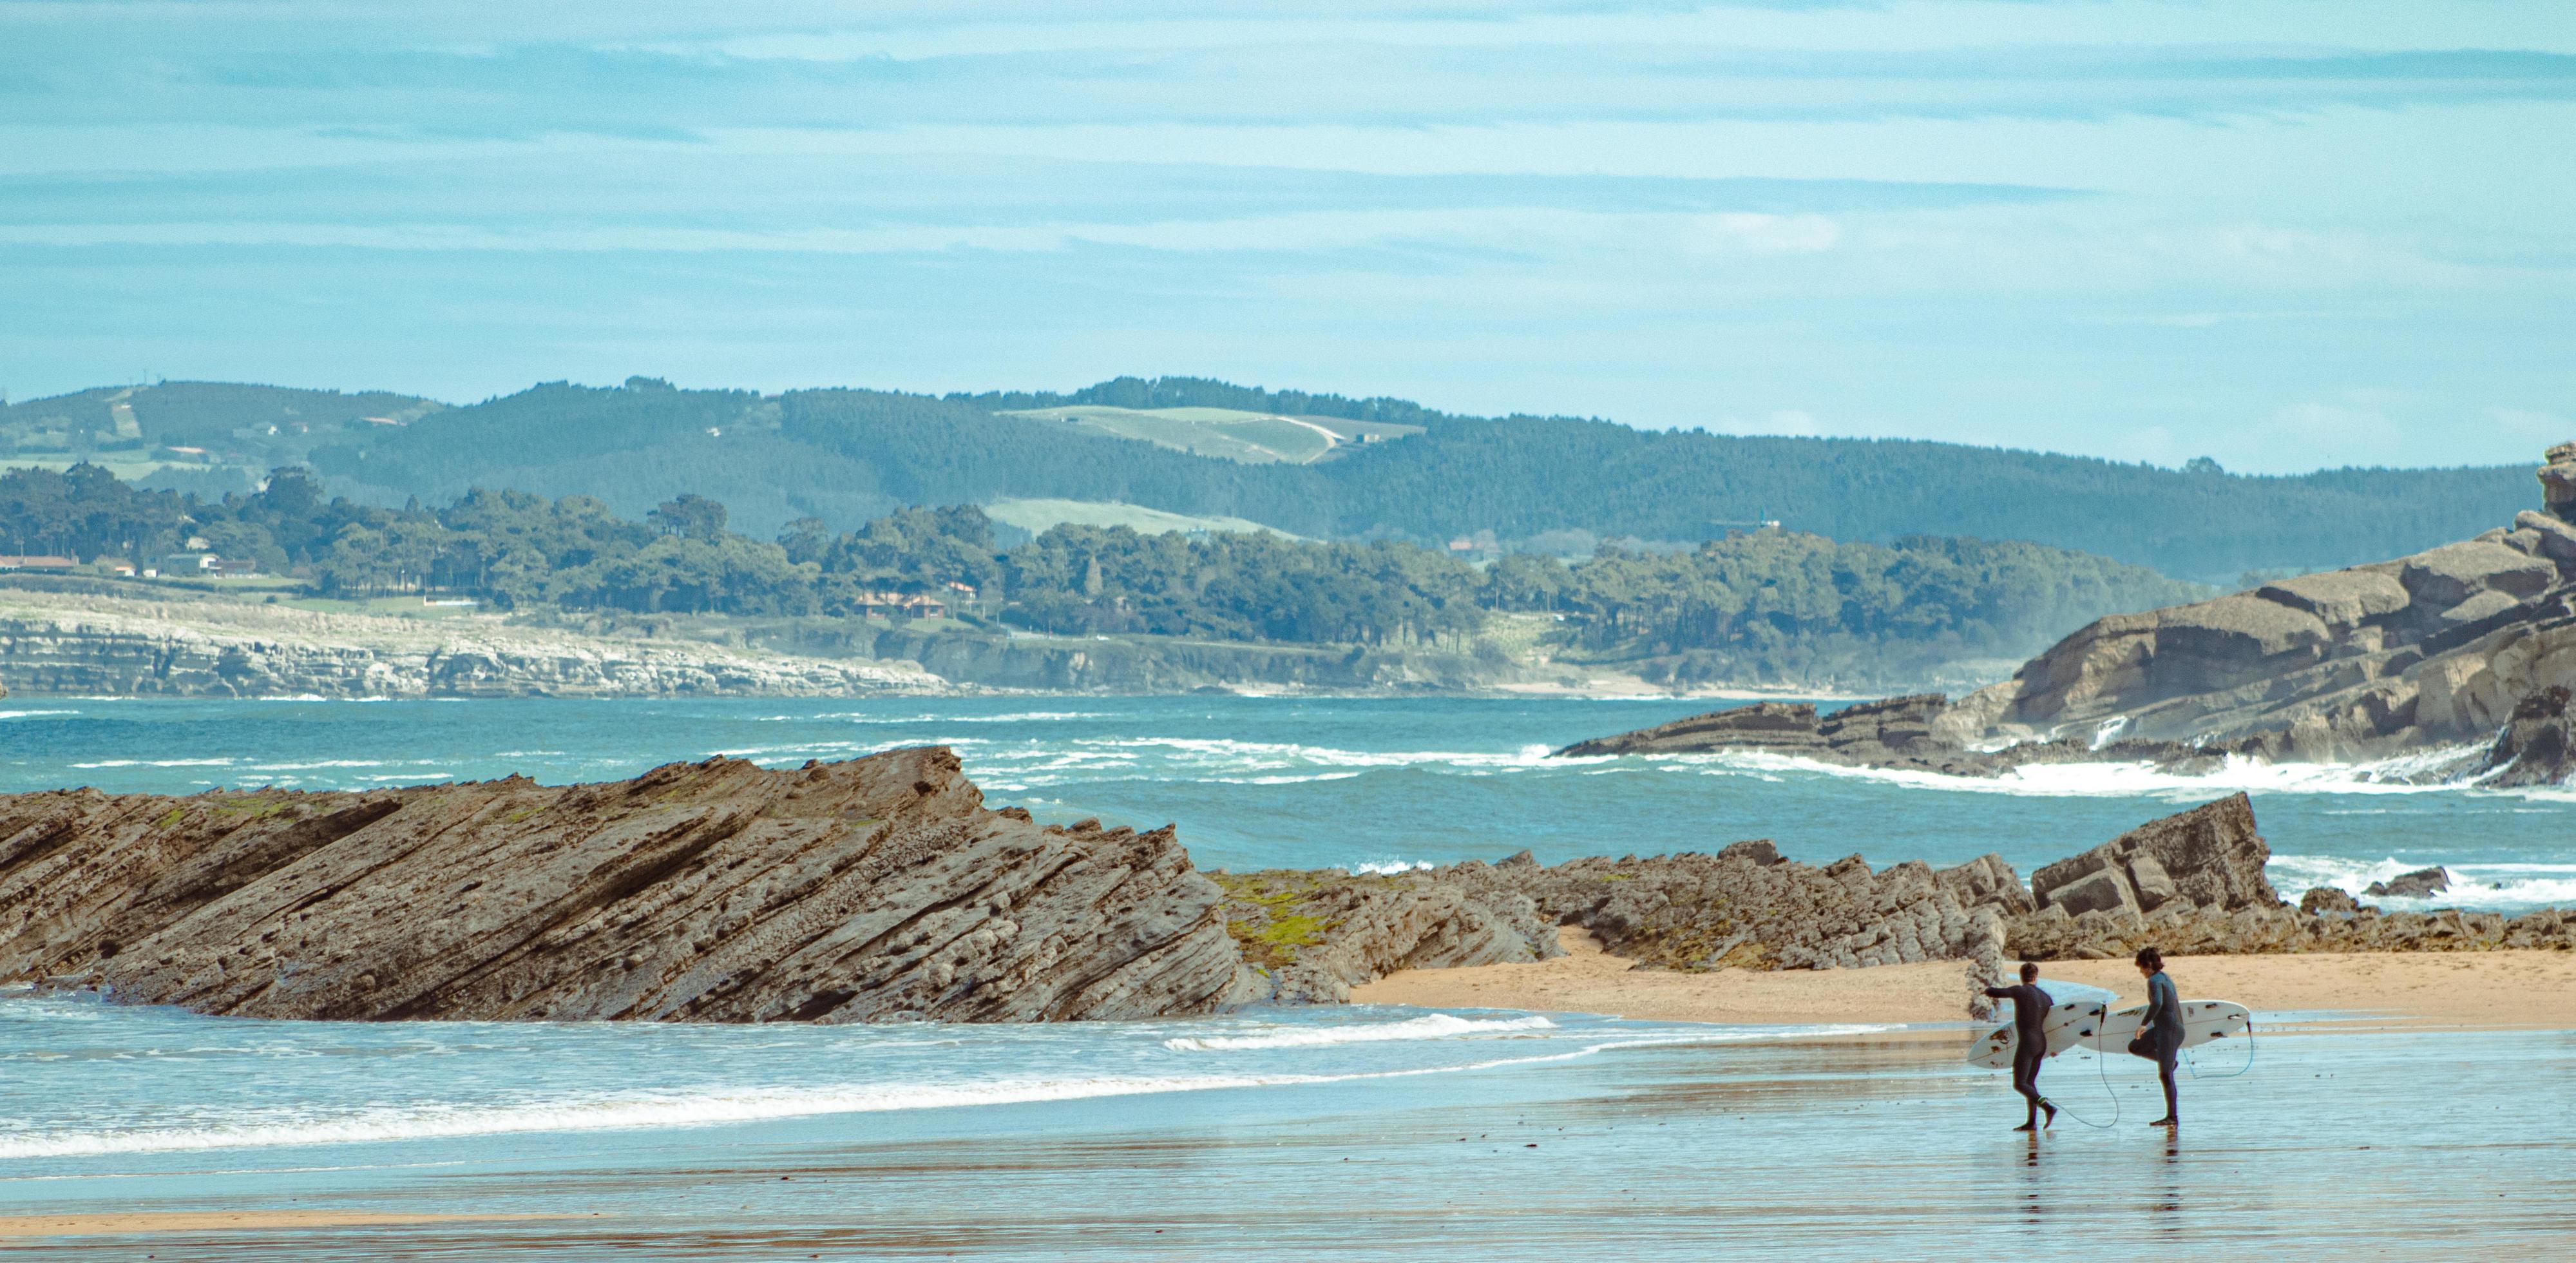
1355 1132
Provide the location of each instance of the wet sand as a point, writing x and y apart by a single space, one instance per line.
122 1223
2488 990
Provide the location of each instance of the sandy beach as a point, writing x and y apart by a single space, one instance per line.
229 1221
2498 990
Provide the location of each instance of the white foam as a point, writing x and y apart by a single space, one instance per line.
29 714
663 1110
1430 1026
2474 884
2127 779
157 763
1387 868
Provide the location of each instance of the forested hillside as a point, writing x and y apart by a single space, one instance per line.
1769 606
848 455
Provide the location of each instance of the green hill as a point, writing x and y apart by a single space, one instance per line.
848 455
197 428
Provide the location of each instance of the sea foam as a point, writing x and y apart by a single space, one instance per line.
1431 1026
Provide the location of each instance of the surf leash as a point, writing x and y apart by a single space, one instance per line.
2102 1065
2194 1066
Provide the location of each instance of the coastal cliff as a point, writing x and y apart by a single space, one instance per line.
2469 648
91 644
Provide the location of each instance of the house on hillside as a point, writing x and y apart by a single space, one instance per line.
901 605
207 566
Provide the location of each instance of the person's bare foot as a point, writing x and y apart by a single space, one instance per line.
2052 1114
2166 1122
2027 1127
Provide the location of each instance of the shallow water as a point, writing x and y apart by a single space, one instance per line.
1609 1139
1357 1133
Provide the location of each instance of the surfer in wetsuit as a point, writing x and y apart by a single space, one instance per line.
2030 1041
2160 1030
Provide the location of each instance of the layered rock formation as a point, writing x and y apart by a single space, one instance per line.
864 891
85 643
2468 647
883 889
1315 935
2442 647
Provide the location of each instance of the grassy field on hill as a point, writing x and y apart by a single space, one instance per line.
1253 438
1037 517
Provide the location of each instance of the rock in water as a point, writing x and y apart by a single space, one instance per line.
2423 883
2536 747
870 890
2209 856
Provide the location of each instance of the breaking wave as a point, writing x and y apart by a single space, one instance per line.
2501 887
2407 774
1432 1026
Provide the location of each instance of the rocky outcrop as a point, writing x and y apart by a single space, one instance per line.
1914 733
1308 937
2438 648
2182 931
1313 936
2535 747
2208 857
2423 883
2469 647
87 644
871 890
2558 482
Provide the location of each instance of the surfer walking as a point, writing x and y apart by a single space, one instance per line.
2030 1041
2160 1030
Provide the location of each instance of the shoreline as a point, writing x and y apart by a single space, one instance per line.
2497 990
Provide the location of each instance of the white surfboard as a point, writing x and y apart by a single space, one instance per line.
2202 1021
2070 1022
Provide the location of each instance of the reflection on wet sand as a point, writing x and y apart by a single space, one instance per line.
1889 1147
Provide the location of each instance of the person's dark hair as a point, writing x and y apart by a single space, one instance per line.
2029 971
2151 960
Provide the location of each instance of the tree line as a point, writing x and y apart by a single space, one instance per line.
1752 603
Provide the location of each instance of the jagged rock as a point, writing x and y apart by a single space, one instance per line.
2446 576
870 890
2551 537
2558 482
2102 890
1762 725
2328 899
1310 936
2536 747
2328 927
2210 856
2423 883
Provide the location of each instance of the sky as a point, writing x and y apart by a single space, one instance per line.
2285 235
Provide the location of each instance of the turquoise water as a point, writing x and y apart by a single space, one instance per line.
1348 1132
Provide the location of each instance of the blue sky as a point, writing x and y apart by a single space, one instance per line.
2286 235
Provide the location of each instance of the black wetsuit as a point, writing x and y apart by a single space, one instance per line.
2160 1035
2030 1039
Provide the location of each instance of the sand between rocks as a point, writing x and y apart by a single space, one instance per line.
2535 989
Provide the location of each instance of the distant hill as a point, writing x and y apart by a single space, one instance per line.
847 455
213 435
